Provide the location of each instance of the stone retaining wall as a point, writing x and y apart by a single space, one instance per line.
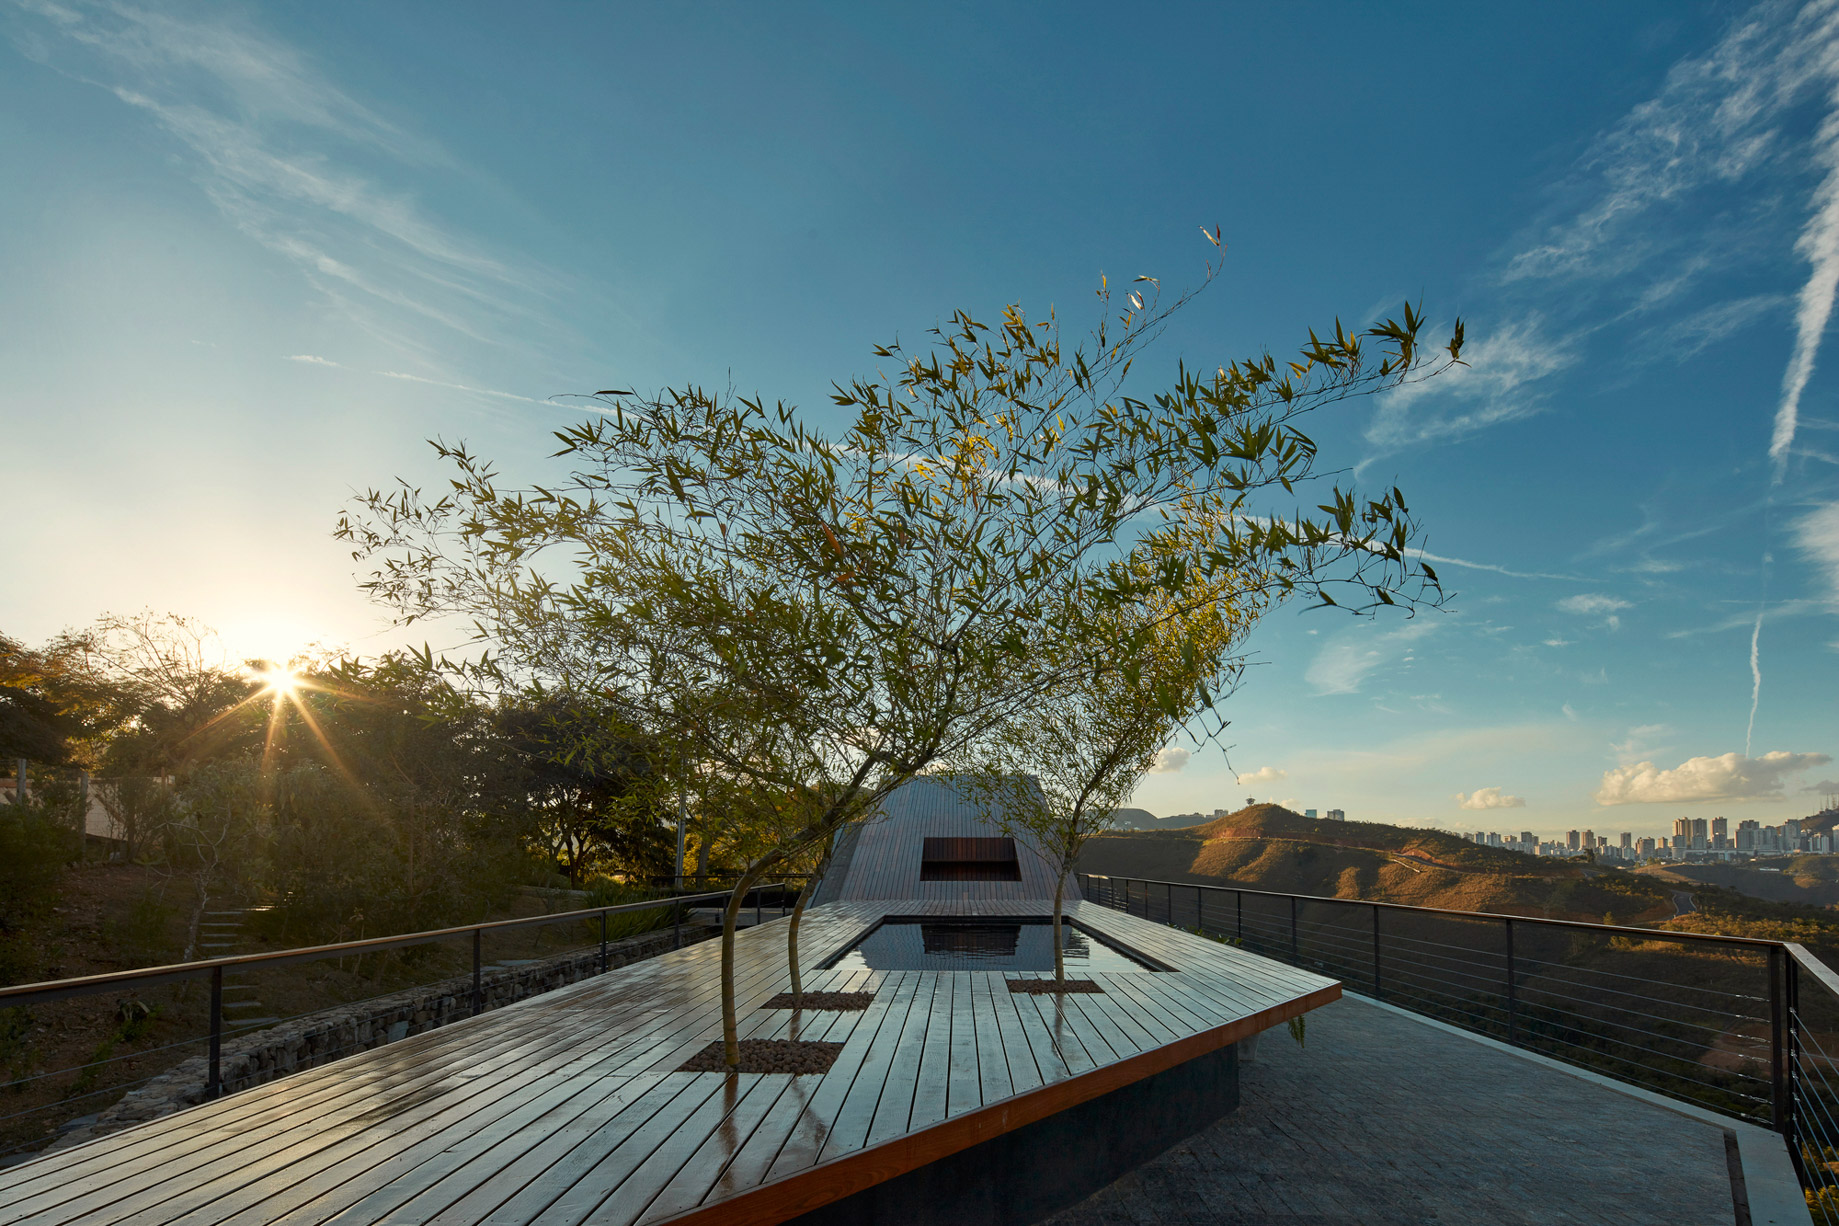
320 1038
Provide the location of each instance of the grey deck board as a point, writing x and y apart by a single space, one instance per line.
566 1107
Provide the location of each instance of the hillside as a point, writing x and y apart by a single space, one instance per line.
1268 847
1813 880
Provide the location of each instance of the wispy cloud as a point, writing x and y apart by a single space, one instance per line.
1816 537
1346 661
1438 559
1264 774
1499 384
314 359
1590 604
277 147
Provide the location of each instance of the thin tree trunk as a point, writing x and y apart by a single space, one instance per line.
1059 950
191 933
731 1038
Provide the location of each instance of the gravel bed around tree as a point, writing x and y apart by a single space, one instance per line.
1047 987
845 1002
767 1056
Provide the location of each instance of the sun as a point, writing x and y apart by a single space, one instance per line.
279 679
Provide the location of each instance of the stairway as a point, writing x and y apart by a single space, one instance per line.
221 936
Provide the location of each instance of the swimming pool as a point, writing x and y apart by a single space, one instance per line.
1019 943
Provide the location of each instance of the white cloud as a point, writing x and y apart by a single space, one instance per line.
1704 328
1264 774
1496 386
1570 712
1488 798
1170 760
1347 660
1560 642
1593 603
1816 535
1730 776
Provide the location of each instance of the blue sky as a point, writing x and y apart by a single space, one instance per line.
251 256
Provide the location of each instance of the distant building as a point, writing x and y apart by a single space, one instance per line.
1308 812
1529 840
1645 847
1336 815
1627 838
1571 838
1701 838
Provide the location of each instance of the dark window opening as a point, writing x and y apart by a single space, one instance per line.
969 860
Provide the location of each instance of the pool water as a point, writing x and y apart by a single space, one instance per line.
1022 944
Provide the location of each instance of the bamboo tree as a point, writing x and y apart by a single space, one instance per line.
827 616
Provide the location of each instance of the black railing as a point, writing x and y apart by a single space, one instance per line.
1721 1022
213 970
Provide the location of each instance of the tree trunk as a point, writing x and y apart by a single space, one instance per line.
1059 949
731 1039
191 932
702 848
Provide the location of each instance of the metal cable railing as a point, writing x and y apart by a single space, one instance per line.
219 1028
1721 1022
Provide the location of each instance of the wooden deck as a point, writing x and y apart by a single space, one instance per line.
565 1108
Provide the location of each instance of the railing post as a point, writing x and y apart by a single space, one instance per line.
756 906
1294 944
478 975
213 1084
1793 1130
603 942
1168 903
1513 993
676 922
1379 991
1778 1046
1239 936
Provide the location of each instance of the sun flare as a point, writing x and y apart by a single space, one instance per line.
279 679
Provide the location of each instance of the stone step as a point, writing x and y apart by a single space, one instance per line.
241 1022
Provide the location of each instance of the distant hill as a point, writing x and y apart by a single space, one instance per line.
1133 819
1813 880
1143 819
1268 847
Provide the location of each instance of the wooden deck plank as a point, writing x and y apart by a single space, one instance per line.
707 1165
210 1176
850 1128
810 1127
471 1195
1018 1055
994 1083
896 1106
930 1086
662 1042
964 1087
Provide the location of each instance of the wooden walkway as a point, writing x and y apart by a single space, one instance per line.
565 1108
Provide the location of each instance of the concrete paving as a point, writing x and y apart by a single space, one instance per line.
1383 1120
